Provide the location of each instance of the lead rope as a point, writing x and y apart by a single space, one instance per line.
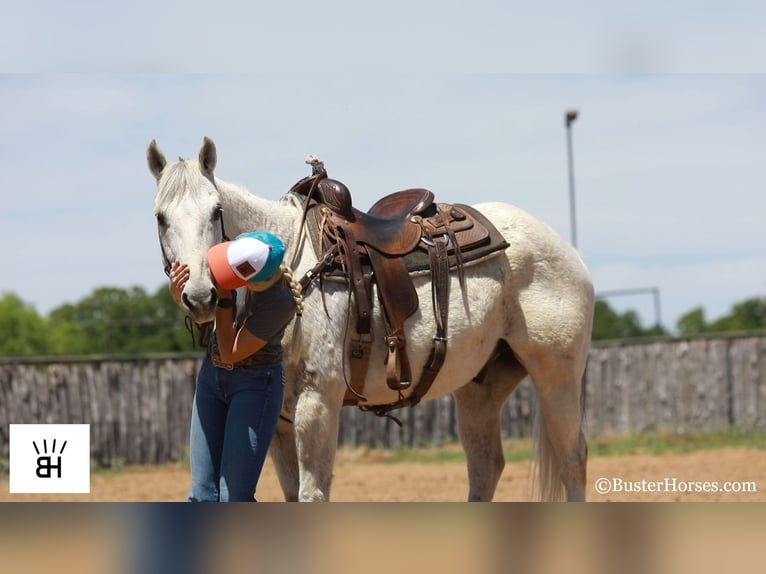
204 332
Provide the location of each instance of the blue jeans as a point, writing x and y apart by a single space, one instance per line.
233 419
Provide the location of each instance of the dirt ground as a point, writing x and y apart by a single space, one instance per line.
364 476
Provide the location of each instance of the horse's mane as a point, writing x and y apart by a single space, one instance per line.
178 180
292 199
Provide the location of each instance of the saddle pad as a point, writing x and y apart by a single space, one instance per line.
478 241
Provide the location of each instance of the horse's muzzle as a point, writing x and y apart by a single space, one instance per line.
200 307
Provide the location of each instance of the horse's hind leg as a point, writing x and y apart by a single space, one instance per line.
562 450
478 407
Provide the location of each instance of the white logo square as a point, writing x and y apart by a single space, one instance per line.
51 458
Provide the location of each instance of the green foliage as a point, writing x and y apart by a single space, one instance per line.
667 441
749 315
693 323
608 324
23 330
746 316
109 320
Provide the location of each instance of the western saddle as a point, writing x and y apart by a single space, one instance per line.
403 233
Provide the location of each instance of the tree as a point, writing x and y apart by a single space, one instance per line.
113 320
693 323
748 315
65 333
608 324
171 333
24 331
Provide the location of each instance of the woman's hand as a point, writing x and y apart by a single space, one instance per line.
179 275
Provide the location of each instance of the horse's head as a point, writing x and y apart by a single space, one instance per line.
189 219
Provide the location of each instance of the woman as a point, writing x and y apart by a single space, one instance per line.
239 387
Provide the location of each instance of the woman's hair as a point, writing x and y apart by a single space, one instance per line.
294 287
297 339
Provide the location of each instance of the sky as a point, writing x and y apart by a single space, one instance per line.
669 147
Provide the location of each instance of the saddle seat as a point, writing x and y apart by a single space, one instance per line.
387 226
403 204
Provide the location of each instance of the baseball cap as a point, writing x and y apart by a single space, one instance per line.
251 257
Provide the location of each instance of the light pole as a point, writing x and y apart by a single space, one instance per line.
571 116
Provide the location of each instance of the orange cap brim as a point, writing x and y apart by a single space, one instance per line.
223 274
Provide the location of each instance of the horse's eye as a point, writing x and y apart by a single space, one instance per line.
161 219
217 213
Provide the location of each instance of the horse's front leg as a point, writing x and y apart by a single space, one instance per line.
317 416
283 451
284 455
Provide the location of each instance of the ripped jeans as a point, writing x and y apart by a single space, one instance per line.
234 416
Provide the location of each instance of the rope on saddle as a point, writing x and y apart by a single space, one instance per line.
318 172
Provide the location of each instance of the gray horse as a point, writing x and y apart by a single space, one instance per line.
526 311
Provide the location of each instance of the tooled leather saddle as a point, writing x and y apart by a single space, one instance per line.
402 234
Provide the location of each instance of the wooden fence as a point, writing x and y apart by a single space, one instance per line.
697 385
138 407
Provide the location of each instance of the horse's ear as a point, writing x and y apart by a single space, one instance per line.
155 159
207 156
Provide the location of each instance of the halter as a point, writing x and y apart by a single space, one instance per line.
204 330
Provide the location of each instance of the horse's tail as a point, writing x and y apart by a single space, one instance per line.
546 481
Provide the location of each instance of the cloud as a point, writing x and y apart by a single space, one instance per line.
310 39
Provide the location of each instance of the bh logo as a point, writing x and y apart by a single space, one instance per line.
44 464
49 458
